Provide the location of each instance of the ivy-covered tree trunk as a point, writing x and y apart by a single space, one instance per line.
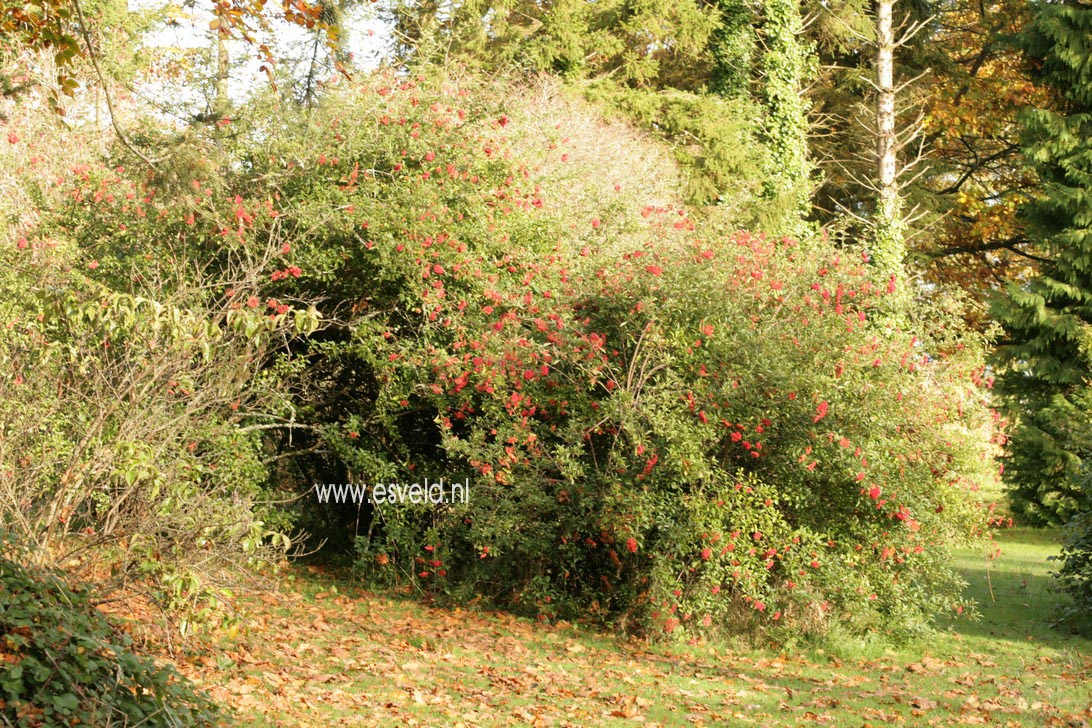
733 49
785 66
1048 320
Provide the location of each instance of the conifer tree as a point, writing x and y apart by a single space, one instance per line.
1047 320
733 46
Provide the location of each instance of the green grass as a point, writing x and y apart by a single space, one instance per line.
311 656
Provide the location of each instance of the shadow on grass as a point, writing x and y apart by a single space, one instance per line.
1018 598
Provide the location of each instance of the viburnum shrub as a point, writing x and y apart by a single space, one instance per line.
135 383
663 424
854 448
686 437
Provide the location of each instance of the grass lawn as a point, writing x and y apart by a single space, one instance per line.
310 655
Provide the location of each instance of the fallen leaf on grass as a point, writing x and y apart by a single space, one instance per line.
927 664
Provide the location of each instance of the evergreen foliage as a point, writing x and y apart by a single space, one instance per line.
1048 319
654 43
733 45
65 663
785 66
716 140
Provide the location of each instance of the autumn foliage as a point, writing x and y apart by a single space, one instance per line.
666 423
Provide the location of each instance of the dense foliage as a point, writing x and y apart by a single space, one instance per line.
598 298
1076 568
134 391
662 421
1048 320
66 664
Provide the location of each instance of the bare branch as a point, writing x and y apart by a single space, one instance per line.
85 34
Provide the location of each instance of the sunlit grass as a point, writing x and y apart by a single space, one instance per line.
327 655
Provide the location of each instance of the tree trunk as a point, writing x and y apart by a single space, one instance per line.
223 68
889 243
784 66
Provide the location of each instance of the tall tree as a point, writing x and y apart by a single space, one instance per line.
761 53
785 62
868 114
889 226
975 179
1048 319
733 47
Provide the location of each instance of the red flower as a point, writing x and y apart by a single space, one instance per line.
651 463
654 270
821 411
631 545
706 553
874 492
